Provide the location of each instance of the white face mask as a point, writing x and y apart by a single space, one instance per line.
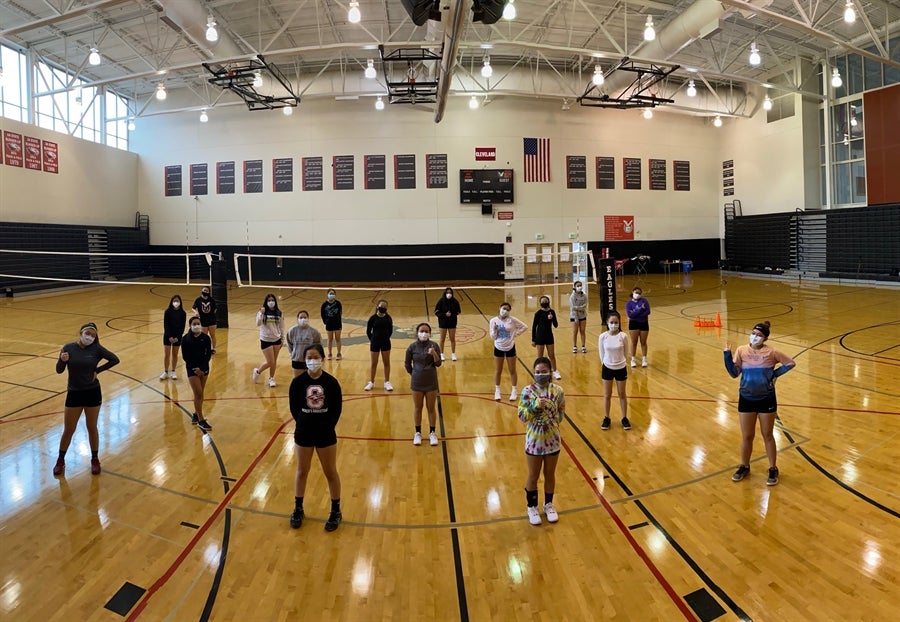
423 336
302 322
271 304
578 288
448 295
504 312
755 340
175 304
636 296
613 326
196 328
87 339
313 365
330 296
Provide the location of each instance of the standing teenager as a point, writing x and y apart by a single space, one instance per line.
379 330
578 315
503 330
331 311
205 308
638 311
271 336
447 309
542 333
423 357
174 319
196 350
298 338
613 344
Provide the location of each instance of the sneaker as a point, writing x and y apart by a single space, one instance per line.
212 351
550 512
534 516
773 477
271 382
164 375
453 356
741 473
334 519
204 425
644 362
369 386
297 518
95 466
329 356
556 375
512 396
194 419
255 375
443 358
417 438
339 357
60 467
626 423
574 349
633 362
172 375
432 439
388 386
583 350
606 423
497 394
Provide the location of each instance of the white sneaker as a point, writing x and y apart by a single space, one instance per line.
644 362
497 394
388 386
534 516
271 382
453 356
443 358
432 439
513 396
550 511
633 362
556 375
172 375
369 386
417 438
255 375
164 375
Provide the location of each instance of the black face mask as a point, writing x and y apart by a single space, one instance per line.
545 305
381 310
204 294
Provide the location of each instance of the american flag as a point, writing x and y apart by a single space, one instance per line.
537 159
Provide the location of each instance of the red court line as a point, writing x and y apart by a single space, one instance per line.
682 606
203 529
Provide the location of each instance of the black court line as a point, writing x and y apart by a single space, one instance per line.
27 386
638 525
191 525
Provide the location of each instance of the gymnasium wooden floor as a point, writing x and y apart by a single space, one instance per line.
651 527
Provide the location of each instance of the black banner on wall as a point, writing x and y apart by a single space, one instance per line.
436 170
632 173
657 174
283 175
173 180
225 177
375 170
607 286
342 170
405 172
199 179
606 173
576 172
253 176
682 174
312 174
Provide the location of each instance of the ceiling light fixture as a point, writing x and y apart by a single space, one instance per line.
94 57
212 35
257 79
836 80
161 92
379 103
509 11
287 111
598 78
849 12
565 104
767 103
370 72
473 103
131 124
203 116
649 31
691 89
718 121
353 15
755 59
648 113
486 70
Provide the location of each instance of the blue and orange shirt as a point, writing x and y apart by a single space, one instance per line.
756 367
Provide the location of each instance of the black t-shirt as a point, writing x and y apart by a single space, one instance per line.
315 404
196 350
173 321
206 307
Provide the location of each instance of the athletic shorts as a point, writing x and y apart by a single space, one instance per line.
552 453
85 398
765 405
298 364
614 374
509 354
572 319
174 345
546 341
190 371
446 322
318 440
207 320
333 324
380 346
268 344
638 325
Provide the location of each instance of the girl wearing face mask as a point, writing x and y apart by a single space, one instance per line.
542 408
756 365
447 309
423 357
205 308
83 394
504 329
174 319
578 315
299 337
379 330
316 403
638 311
613 345
542 332
331 317
271 335
196 350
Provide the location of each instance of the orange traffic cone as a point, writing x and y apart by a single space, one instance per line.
718 320
697 321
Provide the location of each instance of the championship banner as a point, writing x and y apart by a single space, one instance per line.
618 227
607 286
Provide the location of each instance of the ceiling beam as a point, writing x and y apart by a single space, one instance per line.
55 19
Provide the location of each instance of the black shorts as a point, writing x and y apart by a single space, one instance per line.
552 453
572 319
268 344
380 346
509 354
333 325
614 374
765 405
174 345
638 325
85 398
318 440
446 322
298 364
544 341
207 320
190 371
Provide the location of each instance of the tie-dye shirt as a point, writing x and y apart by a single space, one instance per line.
542 410
756 367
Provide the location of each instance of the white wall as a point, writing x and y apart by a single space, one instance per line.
327 128
96 184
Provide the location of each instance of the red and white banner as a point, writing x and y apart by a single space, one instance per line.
504 215
51 157
618 227
12 149
485 153
32 153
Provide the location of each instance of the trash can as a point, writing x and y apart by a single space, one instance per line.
687 265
